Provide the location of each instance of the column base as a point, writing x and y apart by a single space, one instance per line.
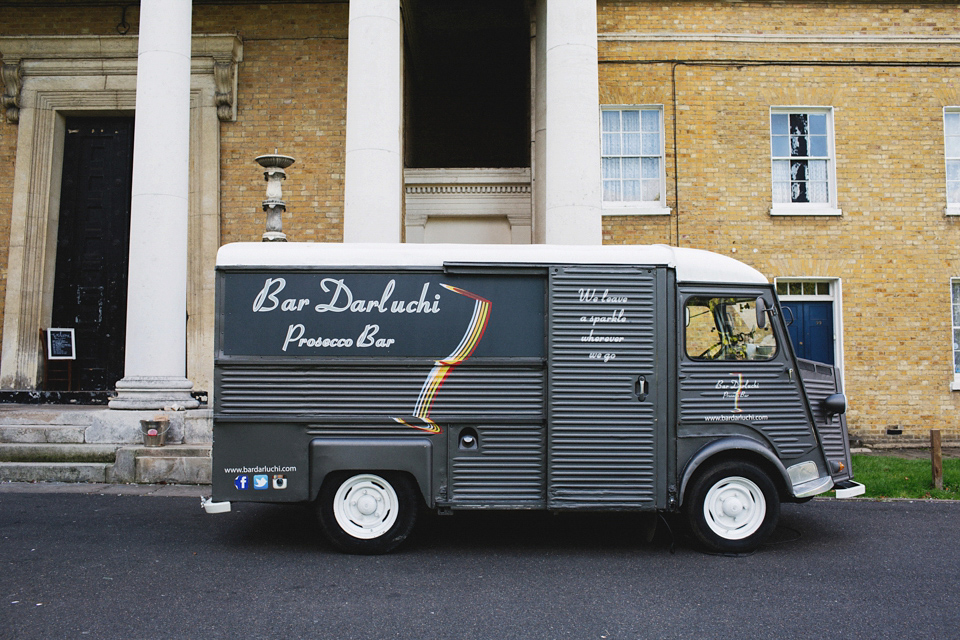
154 392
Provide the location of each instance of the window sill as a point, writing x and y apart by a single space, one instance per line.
955 385
953 210
635 210
804 211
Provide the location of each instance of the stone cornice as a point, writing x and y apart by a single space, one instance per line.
468 189
54 56
854 39
222 47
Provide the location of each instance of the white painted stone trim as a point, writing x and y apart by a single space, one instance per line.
610 209
216 55
373 158
572 195
853 39
795 210
473 193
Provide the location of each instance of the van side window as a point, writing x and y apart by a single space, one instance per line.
726 329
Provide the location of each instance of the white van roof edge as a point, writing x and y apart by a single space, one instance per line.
692 265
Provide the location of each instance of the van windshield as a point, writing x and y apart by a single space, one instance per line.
726 329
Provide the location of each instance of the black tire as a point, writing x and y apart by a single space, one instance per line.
368 513
732 507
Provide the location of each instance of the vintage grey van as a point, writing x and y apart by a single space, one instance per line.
375 380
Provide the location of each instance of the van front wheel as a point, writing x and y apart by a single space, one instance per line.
367 513
733 507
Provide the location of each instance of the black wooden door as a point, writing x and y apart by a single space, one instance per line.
90 288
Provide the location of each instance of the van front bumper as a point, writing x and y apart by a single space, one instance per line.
813 487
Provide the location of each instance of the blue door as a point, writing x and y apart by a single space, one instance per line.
812 330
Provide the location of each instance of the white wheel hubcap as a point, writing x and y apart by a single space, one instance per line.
734 508
365 506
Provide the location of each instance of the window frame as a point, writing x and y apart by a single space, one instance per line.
953 208
637 207
829 208
727 341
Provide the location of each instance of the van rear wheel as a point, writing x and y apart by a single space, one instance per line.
367 513
732 507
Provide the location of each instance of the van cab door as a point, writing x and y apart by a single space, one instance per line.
738 376
606 388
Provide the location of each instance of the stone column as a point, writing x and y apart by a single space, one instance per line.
538 167
571 131
373 176
155 364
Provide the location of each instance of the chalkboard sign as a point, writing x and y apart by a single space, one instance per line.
61 344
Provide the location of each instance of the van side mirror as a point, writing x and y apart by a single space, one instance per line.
762 312
834 404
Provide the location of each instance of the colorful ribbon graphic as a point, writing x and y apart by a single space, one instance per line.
443 368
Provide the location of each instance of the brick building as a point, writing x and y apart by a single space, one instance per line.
816 141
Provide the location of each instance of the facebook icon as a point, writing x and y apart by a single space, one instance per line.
240 482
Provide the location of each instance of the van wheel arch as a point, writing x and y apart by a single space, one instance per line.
735 449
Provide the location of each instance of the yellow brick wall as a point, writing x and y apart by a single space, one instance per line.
894 248
292 97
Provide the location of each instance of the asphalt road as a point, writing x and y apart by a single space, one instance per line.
120 566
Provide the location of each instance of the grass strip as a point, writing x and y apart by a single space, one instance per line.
890 477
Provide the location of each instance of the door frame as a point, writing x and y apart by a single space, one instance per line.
105 141
835 297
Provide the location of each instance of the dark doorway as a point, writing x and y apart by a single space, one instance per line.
467 84
812 330
90 287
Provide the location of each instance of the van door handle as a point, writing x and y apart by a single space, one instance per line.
640 388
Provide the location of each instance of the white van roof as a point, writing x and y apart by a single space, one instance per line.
691 265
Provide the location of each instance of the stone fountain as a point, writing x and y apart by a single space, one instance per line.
274 165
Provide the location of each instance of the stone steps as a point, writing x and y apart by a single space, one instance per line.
53 471
56 434
93 444
57 452
176 464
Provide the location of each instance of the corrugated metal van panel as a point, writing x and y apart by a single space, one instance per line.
820 381
768 400
507 470
474 392
602 438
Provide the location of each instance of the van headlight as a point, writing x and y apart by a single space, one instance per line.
803 472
